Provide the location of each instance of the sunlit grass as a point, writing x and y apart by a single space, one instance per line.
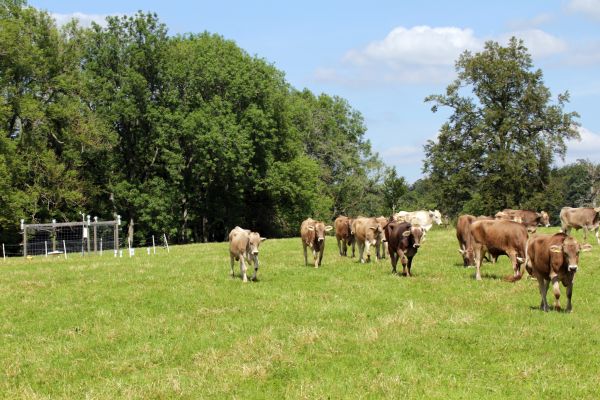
178 326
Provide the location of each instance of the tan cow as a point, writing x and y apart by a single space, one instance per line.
243 245
381 245
343 234
367 232
499 237
313 235
554 258
585 217
531 219
463 234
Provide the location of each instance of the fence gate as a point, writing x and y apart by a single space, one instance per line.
70 237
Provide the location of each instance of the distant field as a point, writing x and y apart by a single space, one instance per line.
178 326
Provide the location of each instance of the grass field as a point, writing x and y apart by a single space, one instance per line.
178 326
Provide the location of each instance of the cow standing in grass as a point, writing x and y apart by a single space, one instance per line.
381 245
403 241
499 237
366 233
554 258
343 234
584 217
313 235
243 246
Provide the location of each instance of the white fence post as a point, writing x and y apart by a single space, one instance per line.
166 243
65 249
46 248
100 247
153 245
129 244
3 252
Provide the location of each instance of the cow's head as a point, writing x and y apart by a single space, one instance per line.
544 218
319 228
570 250
417 234
254 240
436 216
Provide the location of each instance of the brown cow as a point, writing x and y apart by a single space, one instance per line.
403 241
463 234
366 233
531 219
343 234
554 258
499 237
585 217
313 236
381 245
243 245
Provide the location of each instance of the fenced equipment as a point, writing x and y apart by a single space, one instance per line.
76 237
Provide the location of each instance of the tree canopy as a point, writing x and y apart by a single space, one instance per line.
497 148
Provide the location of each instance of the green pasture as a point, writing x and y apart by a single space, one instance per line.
178 326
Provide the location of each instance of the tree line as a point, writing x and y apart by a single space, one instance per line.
191 136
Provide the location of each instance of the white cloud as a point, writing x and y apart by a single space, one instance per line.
586 148
403 155
590 8
539 43
536 21
424 54
85 20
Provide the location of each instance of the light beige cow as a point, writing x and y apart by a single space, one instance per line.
313 235
243 246
366 231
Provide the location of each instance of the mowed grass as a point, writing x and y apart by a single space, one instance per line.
178 326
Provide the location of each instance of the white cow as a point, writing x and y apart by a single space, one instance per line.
423 218
243 246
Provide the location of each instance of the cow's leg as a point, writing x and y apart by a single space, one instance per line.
243 268
368 250
516 265
255 268
384 249
556 290
477 254
232 262
569 294
409 265
543 285
321 253
305 256
394 261
361 249
404 262
585 231
597 238
315 258
339 243
344 248
353 244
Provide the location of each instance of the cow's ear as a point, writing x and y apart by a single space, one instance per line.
328 228
374 228
586 247
311 228
556 248
263 239
406 233
597 209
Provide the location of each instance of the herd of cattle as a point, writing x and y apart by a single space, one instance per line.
548 258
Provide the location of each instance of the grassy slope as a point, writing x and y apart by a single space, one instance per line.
178 326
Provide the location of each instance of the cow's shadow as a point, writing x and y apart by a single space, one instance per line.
487 275
550 309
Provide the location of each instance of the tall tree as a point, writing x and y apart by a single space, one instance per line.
497 148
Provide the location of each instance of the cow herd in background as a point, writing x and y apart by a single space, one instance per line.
548 258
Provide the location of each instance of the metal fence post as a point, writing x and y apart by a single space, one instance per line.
24 228
96 235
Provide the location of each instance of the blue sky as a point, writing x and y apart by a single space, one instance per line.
384 57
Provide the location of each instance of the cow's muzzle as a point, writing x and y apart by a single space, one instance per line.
416 245
573 268
255 252
321 239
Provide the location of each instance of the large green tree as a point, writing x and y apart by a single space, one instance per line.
504 132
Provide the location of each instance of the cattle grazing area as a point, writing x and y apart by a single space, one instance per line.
182 327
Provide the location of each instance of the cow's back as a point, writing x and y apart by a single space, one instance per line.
500 235
238 241
342 228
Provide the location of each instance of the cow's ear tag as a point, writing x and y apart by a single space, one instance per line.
556 249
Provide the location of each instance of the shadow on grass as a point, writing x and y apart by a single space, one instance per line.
487 275
550 309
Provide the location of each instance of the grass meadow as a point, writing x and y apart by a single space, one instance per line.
178 326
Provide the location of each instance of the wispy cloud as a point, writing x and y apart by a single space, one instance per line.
589 8
586 148
85 20
535 22
423 54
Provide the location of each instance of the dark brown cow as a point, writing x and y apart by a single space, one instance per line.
531 219
585 217
554 258
403 241
313 236
343 234
499 237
